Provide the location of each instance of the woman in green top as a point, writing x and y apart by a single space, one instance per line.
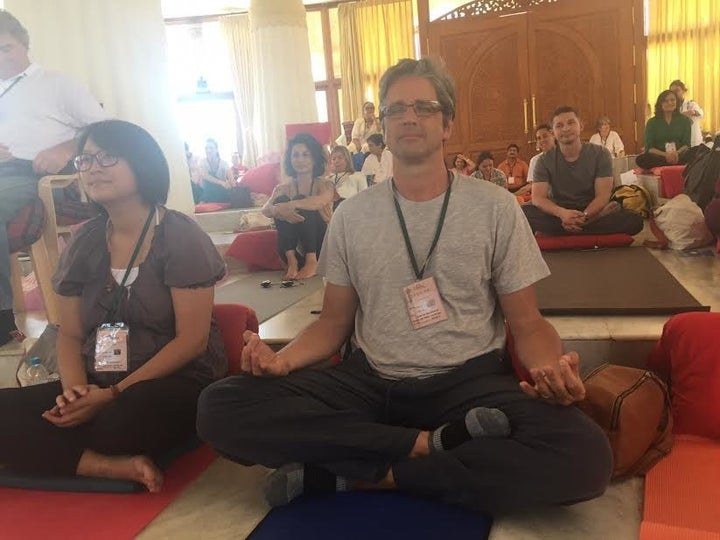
667 135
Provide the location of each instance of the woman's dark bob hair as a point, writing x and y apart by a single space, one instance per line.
317 152
136 146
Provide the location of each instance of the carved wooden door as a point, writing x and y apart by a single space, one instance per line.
489 63
581 55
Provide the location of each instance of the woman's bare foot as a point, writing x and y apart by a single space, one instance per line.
310 268
292 265
139 469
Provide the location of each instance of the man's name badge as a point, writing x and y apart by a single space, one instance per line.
511 180
424 304
111 347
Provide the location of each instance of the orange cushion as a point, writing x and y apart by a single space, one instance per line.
689 352
585 241
262 179
682 490
671 180
658 531
233 320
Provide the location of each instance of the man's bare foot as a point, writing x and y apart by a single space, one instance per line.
310 268
139 469
292 265
388 482
422 445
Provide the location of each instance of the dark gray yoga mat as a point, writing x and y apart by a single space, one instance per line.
266 302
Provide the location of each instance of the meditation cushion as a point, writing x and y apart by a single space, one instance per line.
688 353
203 208
372 515
584 241
258 249
233 320
262 179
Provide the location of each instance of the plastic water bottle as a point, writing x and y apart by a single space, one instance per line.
36 373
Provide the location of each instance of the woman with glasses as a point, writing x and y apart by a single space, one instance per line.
607 138
136 343
302 207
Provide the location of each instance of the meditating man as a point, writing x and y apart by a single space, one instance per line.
572 183
427 402
41 112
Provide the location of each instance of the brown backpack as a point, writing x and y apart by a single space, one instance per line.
632 406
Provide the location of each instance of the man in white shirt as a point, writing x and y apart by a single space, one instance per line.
545 141
691 109
41 112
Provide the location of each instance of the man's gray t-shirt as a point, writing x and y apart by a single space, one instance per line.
486 248
572 184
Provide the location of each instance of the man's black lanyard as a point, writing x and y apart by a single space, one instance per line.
420 271
12 84
112 312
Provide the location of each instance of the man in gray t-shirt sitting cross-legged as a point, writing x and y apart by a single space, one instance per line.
572 184
424 270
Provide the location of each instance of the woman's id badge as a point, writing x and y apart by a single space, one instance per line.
670 147
424 304
111 347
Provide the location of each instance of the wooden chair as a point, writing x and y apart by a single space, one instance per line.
45 251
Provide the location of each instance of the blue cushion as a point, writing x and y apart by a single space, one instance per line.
370 514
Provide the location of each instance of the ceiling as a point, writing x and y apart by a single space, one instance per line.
172 9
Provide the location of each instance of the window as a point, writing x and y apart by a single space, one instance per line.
202 84
324 34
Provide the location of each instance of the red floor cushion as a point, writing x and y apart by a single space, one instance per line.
688 352
233 320
258 249
262 179
205 207
671 180
585 241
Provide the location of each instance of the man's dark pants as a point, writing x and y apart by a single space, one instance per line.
348 420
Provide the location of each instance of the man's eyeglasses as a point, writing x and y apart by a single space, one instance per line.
421 107
84 162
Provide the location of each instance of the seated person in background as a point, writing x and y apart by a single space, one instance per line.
347 182
545 141
111 415
41 112
364 127
378 165
301 207
215 175
515 170
691 109
667 135
608 138
486 170
237 169
579 176
463 165
426 402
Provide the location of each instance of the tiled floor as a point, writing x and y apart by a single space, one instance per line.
226 502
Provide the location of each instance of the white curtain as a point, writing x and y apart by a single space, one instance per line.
241 51
285 87
119 50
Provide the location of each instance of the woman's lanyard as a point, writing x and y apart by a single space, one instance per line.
112 312
12 84
419 272
337 179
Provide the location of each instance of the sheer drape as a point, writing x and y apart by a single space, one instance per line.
684 43
374 35
241 49
285 89
119 50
